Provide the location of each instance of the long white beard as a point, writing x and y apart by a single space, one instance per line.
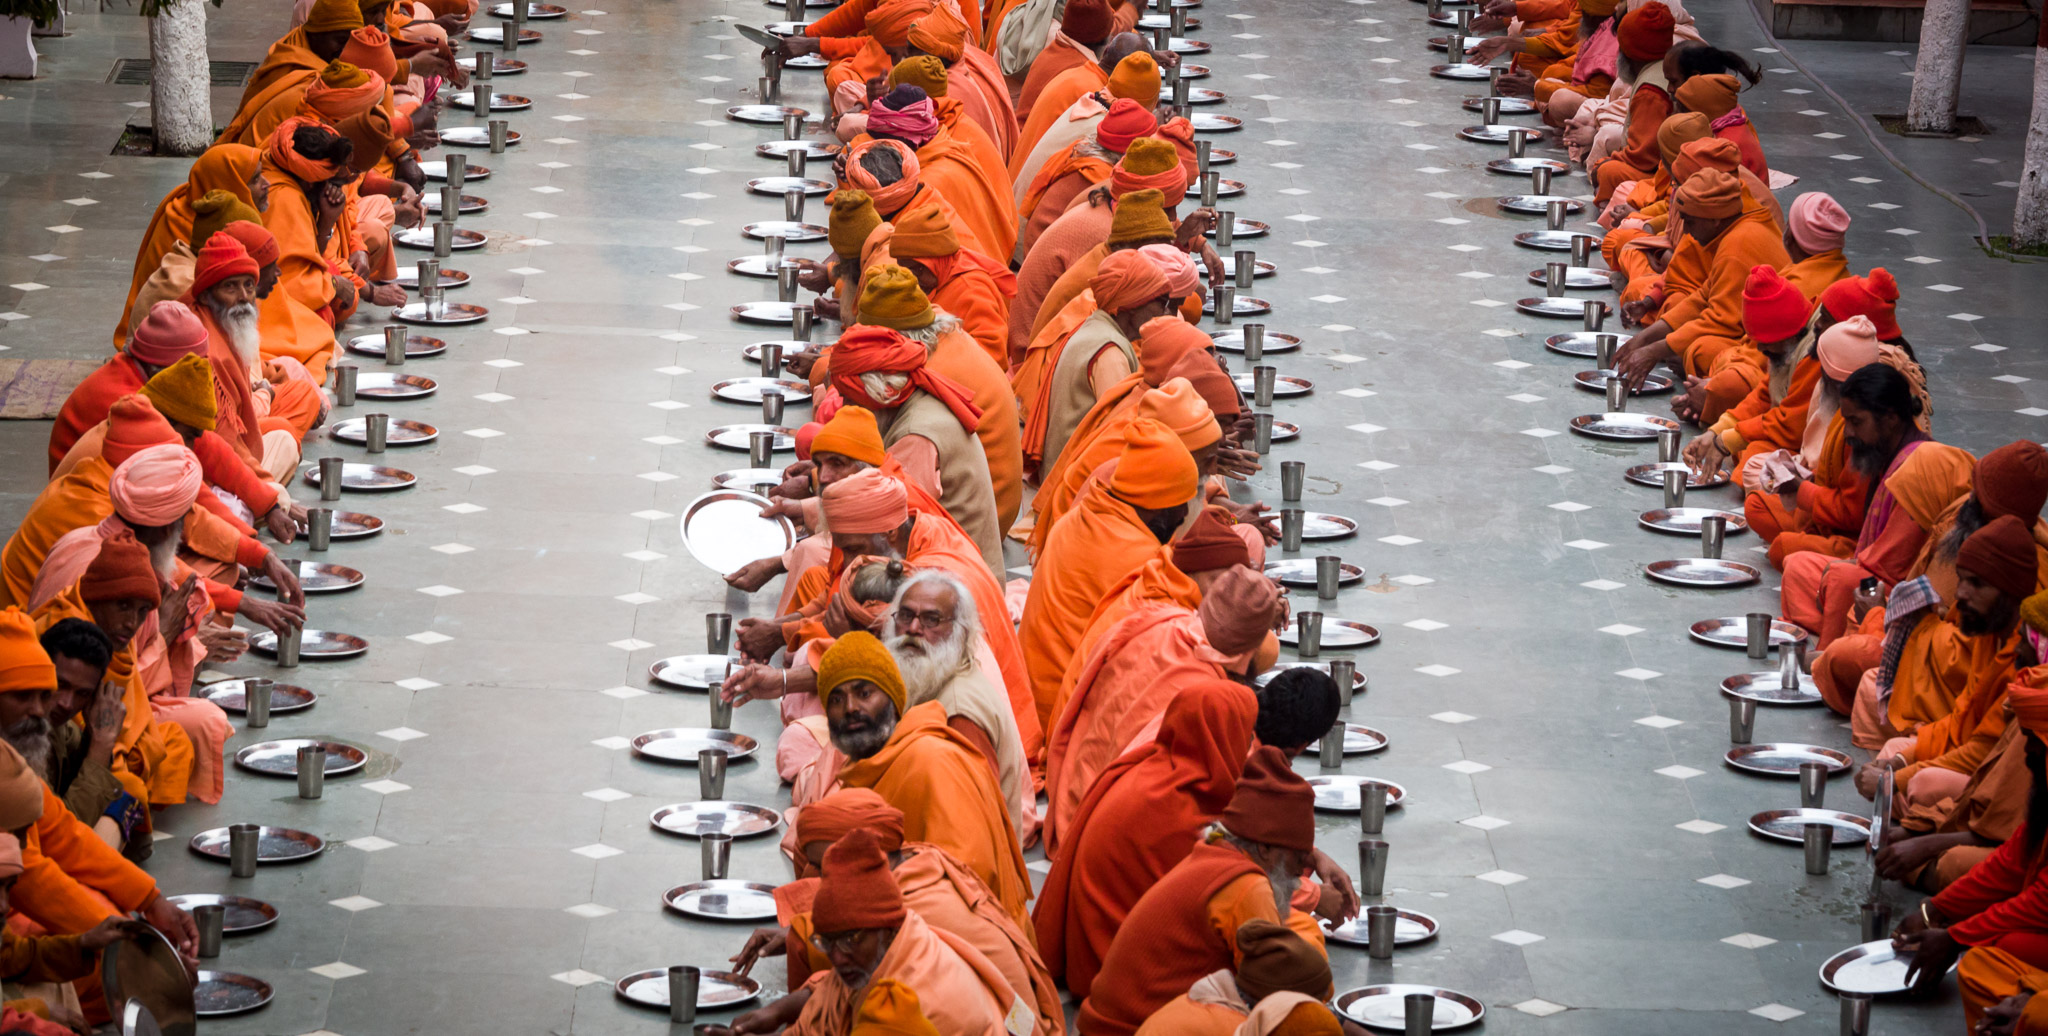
238 323
1284 882
163 554
927 668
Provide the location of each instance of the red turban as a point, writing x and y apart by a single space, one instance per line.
1215 387
866 503
260 242
1645 32
1773 309
284 151
2013 479
1875 296
888 197
24 665
1181 279
133 425
848 810
1127 121
2001 555
867 349
370 50
1124 280
1817 221
1209 544
858 891
169 333
157 486
1272 805
120 572
222 257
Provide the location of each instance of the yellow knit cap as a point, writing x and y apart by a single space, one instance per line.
890 297
859 656
1150 156
343 76
1140 218
214 212
853 219
1136 77
923 71
183 392
334 16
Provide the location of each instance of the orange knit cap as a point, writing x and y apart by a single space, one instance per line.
1161 343
1136 78
852 432
848 810
941 34
24 665
1711 194
1679 130
121 571
890 23
1712 96
857 891
334 16
369 49
1645 32
923 232
1706 153
184 392
1126 279
1214 386
1180 408
133 425
1154 471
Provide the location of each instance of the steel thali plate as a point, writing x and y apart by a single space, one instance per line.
716 990
751 390
1654 384
496 34
1498 133
1652 475
402 432
475 136
1559 306
1260 269
222 993
735 437
147 969
499 102
416 346
1316 525
1338 634
1871 967
746 478
1537 205
1576 343
1284 386
1768 688
1340 793
1232 341
1461 70
240 915
1209 122
280 758
1224 189
422 238
1552 240
366 478
430 204
764 114
437 314
409 279
694 819
1788 825
231 696
1245 228
786 230
725 530
314 645
1783 758
1410 926
1702 573
1197 95
1526 165
1576 278
781 185
1686 521
690 672
315 577
1384 1007
725 899
534 12
273 844
681 744
814 149
1508 105
1364 736
438 170
1183 45
1302 571
766 267
1733 632
1621 426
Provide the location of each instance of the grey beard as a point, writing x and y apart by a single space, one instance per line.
238 323
927 668
31 737
163 554
1284 883
860 744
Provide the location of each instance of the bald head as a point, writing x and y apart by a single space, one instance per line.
1119 47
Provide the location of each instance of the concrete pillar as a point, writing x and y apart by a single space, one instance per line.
180 109
1938 70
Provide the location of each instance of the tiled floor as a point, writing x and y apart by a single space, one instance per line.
1570 821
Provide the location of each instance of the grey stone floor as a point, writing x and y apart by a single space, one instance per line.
1571 823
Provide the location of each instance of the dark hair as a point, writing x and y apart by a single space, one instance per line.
1881 389
885 163
1702 60
321 144
79 639
903 96
1296 708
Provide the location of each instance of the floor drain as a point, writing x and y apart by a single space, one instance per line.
135 72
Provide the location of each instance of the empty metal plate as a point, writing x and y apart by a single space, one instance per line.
1196 95
690 672
1789 825
1224 189
284 697
440 313
1459 71
1583 278
736 437
750 390
1508 105
692 819
314 645
765 114
1232 341
273 844
1337 633
402 432
1409 926
365 478
1652 475
409 278
1783 758
1302 571
1733 632
1553 240
814 149
438 170
790 347
1217 155
281 758
1357 683
1538 205
1526 165
1285 430
1315 525
785 230
763 266
1704 573
1769 689
1498 133
499 102
681 744
1685 521
746 478
1871 967
222 993
1358 739
354 525
415 345
496 34
716 990
504 66
725 899
1260 268
1339 793
423 238
1162 21
146 969
725 530
1246 228
1240 305
1385 1007
387 385
1654 384
1208 122
781 185
1182 45
1577 343
315 577
1561 306
240 915
1621 426
534 12
430 203
1284 386
475 136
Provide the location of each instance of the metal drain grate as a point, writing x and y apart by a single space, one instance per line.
135 72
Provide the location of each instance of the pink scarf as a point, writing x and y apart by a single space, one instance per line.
915 123
1735 117
1599 56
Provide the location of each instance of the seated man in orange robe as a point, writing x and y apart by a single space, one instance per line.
972 75
296 59
1277 988
1124 72
957 161
1549 62
1184 927
863 41
324 262
263 407
1939 842
1644 36
934 631
1715 96
1085 27
229 168
1874 425
1069 173
973 288
888 171
976 144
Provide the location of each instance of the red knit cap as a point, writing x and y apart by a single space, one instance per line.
120 572
1209 544
223 257
1127 121
1772 309
2013 480
1875 296
170 333
858 890
260 243
133 425
1645 32
1086 21
1272 805
2001 554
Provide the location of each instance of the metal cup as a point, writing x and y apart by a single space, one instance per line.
1436 8
1202 148
682 984
718 633
482 66
760 448
1177 22
242 839
1603 351
1713 529
1539 180
457 166
1226 303
209 919
1310 625
1418 1014
256 701
797 161
500 132
344 384
1291 520
1596 315
451 206
1292 474
1372 866
792 126
711 775
1582 250
444 237
785 281
1181 89
1674 490
395 334
771 406
771 359
793 10
510 43
376 431
800 320
1518 142
480 105
1876 920
1329 569
772 246
1489 110
1372 807
1159 39
1617 395
1331 751
1345 672
1254 342
1819 840
1741 720
1465 20
1553 214
312 771
1263 379
1758 640
1454 48
721 710
1262 433
1791 662
330 478
767 87
319 527
1553 279
1493 74
1813 785
1856 1009
716 847
1211 181
1667 443
1226 229
1379 931
1247 263
519 12
793 205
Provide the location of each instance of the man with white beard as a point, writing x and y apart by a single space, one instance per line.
935 634
265 408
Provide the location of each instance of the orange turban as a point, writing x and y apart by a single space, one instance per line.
343 91
857 890
941 34
860 656
1126 279
849 809
1214 386
1136 78
889 23
1179 132
1706 153
867 349
1711 194
256 239
1154 471
156 486
1209 544
921 233
121 571
370 50
1308 1018
284 151
1645 32
1712 96
24 665
887 197
334 16
133 425
1161 344
890 1008
852 432
1180 408
2030 705
1181 279
1149 162
867 502
1679 130
21 791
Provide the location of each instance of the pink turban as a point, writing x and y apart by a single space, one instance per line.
157 486
913 121
1847 347
1818 222
868 502
10 857
1181 280
1124 280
